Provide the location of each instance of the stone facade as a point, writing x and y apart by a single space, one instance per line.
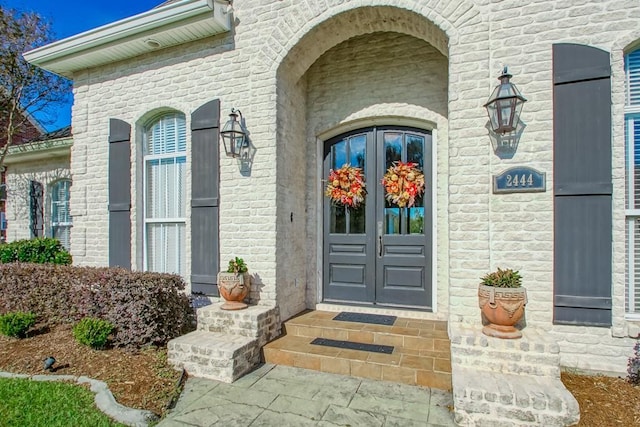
302 71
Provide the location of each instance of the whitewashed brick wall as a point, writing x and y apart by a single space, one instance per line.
266 68
19 177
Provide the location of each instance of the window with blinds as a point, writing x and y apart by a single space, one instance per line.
165 159
60 213
632 162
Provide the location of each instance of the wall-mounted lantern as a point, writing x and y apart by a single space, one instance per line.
505 105
234 136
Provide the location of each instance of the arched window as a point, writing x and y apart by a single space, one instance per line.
60 213
165 159
632 138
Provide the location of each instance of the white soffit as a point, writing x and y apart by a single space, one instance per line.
165 26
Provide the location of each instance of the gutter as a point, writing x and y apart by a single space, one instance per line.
141 25
40 150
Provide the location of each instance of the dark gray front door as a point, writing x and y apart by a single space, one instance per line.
379 253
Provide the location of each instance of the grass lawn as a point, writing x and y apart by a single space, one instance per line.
32 403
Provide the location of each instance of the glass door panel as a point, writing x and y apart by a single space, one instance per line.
393 153
349 151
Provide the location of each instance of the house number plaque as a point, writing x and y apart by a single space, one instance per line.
521 179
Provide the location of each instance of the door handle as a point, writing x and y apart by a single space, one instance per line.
380 239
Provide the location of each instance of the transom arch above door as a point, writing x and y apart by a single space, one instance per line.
379 253
407 116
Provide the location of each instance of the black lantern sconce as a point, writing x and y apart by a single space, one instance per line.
234 136
505 105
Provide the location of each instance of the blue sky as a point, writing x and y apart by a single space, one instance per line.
70 17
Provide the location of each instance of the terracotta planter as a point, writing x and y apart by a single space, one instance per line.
234 288
503 308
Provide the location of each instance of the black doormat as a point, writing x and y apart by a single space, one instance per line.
351 345
376 319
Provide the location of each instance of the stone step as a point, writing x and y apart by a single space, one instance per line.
533 354
256 321
409 366
212 355
489 398
413 334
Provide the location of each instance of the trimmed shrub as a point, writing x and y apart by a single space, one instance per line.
633 366
16 324
145 308
41 251
92 332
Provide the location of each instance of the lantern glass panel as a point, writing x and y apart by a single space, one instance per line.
233 136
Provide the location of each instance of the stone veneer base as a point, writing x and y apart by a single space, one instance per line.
508 382
226 344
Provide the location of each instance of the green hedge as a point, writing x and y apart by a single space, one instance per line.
41 251
145 308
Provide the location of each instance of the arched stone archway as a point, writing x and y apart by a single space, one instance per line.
418 90
453 19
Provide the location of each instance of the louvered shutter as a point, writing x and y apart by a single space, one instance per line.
582 185
36 208
119 193
204 198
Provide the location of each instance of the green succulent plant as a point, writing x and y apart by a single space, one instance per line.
500 278
237 265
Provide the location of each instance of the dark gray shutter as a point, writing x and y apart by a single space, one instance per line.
36 206
582 185
205 198
119 194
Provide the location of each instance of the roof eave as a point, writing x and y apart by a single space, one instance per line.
39 150
98 46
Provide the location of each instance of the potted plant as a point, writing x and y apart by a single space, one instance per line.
502 299
234 284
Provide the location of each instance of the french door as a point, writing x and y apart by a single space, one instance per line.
379 253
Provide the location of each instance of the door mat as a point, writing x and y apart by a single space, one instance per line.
351 345
376 319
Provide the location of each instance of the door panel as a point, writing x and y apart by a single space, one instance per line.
403 267
348 237
379 253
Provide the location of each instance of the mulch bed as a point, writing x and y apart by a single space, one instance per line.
140 379
143 379
604 401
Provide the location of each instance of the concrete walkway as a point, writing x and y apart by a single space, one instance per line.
284 396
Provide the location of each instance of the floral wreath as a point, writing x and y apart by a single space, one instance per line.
346 186
402 183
